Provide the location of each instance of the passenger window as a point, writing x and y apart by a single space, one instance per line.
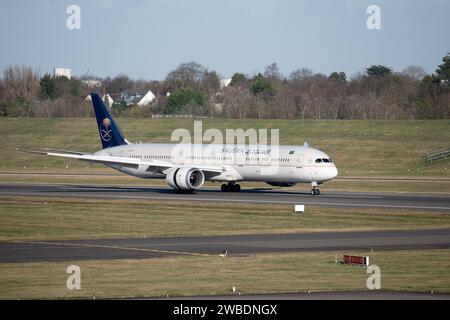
318 160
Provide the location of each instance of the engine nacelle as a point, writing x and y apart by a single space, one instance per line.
185 178
281 184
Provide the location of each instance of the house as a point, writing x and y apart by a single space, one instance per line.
128 98
106 98
147 99
224 83
139 99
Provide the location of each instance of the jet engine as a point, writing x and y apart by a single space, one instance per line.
185 178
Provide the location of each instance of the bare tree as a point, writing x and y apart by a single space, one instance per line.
186 75
273 72
21 87
414 72
300 74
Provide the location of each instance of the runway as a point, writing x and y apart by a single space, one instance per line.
437 203
236 245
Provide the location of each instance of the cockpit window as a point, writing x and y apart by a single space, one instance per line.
318 160
326 160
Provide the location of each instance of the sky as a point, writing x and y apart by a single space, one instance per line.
146 39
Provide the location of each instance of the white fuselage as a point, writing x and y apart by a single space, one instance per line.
284 164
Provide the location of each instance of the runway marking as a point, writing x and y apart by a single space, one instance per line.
122 248
326 196
107 196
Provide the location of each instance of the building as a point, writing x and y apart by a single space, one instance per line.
147 99
92 83
132 98
129 98
106 98
224 83
62 72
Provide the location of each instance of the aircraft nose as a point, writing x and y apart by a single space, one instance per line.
334 172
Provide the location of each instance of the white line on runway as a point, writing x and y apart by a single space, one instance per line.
327 195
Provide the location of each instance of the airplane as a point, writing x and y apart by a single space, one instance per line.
188 171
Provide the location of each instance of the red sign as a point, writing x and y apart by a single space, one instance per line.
356 260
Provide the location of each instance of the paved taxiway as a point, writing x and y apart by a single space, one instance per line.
438 203
343 295
214 245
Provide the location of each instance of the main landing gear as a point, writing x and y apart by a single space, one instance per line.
315 189
230 187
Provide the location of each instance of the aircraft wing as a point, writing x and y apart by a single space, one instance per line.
153 165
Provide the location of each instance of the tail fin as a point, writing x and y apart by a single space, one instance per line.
110 134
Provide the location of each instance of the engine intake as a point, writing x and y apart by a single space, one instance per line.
185 178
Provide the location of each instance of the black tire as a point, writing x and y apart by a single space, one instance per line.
224 188
317 192
237 188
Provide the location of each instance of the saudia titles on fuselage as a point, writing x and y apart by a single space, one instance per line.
244 150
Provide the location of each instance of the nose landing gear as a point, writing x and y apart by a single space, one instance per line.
230 187
315 188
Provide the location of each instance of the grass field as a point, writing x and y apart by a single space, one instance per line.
425 271
27 218
374 148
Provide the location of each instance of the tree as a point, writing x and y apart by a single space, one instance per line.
300 74
185 101
64 87
414 72
210 82
186 75
261 86
21 87
443 70
237 79
338 76
120 83
272 72
47 87
378 71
